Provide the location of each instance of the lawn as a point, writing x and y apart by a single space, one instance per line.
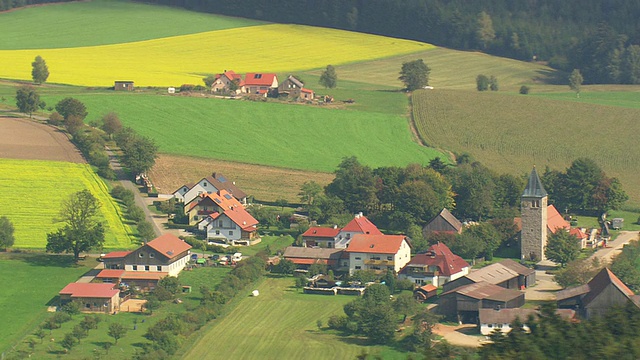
187 59
28 283
32 192
511 133
110 22
282 135
281 324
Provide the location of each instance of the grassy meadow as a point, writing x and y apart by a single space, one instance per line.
110 21
32 193
281 324
186 58
29 282
282 135
511 133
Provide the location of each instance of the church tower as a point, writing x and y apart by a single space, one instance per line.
533 203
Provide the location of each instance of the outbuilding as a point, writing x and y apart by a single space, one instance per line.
123 86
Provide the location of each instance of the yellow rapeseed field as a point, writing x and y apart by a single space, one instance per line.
184 59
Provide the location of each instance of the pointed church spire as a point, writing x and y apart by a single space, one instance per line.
534 186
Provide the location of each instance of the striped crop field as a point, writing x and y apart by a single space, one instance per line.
187 58
510 133
32 193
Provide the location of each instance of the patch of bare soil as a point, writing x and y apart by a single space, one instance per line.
262 182
31 140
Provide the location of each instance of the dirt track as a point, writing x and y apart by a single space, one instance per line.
31 140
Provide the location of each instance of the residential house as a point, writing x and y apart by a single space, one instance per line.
501 319
339 238
208 203
437 266
304 257
444 222
92 297
260 83
378 252
464 303
233 225
499 273
223 83
596 297
291 86
210 184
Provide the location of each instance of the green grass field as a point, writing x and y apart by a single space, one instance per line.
28 283
282 135
511 133
281 324
111 22
31 194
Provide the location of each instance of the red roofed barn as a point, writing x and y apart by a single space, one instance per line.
92 297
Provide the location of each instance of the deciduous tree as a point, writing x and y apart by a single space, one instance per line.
209 80
575 81
562 247
39 70
145 230
329 78
116 331
414 74
27 99
482 82
485 33
354 184
6 233
309 191
111 123
71 107
82 231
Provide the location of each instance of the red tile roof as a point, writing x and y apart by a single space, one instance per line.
555 221
317 231
376 244
362 225
90 290
305 90
441 256
428 287
258 79
116 254
241 217
299 261
169 245
110 273
577 232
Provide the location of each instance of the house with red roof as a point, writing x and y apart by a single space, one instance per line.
166 255
260 83
437 266
222 217
224 81
596 297
339 238
323 237
93 297
208 185
378 252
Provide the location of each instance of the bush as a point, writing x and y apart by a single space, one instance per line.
61 317
524 89
187 87
482 82
337 322
56 119
135 213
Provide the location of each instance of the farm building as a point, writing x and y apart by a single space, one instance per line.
596 297
437 266
444 222
464 303
304 257
425 292
123 86
506 273
92 297
501 319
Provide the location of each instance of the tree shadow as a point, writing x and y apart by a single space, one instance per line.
46 260
551 77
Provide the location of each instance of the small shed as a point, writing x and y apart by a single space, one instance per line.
424 292
123 86
616 223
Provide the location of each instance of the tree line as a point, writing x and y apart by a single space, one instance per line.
601 38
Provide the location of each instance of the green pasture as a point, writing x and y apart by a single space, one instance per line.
29 282
32 193
102 22
274 134
511 133
198 277
628 99
281 324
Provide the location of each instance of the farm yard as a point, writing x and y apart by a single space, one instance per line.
31 194
281 324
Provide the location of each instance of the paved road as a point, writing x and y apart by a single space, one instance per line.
121 175
615 247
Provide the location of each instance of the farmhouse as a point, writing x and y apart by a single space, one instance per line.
227 81
378 252
339 238
123 86
444 222
437 266
210 184
294 88
260 84
501 319
464 303
596 297
92 297
506 273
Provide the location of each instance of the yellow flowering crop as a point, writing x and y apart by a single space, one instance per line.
186 59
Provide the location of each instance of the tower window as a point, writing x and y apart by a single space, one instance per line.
535 203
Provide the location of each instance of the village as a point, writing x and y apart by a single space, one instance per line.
488 298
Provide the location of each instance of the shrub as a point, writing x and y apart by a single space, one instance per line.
61 317
482 82
524 89
56 119
187 87
135 213
337 322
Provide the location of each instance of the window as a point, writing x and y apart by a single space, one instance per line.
87 305
358 258
141 254
135 267
204 184
348 236
159 268
389 257
108 281
230 232
146 268
217 232
535 203
152 255
358 267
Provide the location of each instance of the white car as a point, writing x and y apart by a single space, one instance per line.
428 87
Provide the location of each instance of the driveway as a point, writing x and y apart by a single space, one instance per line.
466 335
